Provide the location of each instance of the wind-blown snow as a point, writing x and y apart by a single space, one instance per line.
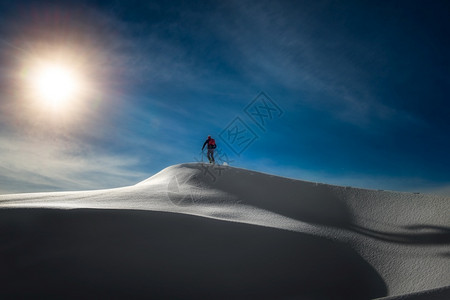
388 243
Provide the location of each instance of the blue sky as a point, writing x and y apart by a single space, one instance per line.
362 88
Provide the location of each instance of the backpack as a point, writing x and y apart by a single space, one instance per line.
212 144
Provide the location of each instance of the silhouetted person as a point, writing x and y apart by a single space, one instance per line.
211 146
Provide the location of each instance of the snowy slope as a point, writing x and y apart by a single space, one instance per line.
195 230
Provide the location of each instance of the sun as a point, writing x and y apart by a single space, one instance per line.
55 85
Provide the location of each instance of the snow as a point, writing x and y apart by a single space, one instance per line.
202 231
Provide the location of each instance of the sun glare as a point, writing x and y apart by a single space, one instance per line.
54 85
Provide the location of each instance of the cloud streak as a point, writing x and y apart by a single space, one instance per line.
30 165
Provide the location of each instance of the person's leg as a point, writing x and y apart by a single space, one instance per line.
212 155
209 155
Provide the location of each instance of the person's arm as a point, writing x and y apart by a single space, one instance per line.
204 144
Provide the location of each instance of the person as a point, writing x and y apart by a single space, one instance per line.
211 145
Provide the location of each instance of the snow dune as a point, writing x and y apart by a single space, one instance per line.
208 232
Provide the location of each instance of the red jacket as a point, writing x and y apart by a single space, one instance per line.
210 142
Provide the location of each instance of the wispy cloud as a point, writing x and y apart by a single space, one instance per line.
286 45
33 165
